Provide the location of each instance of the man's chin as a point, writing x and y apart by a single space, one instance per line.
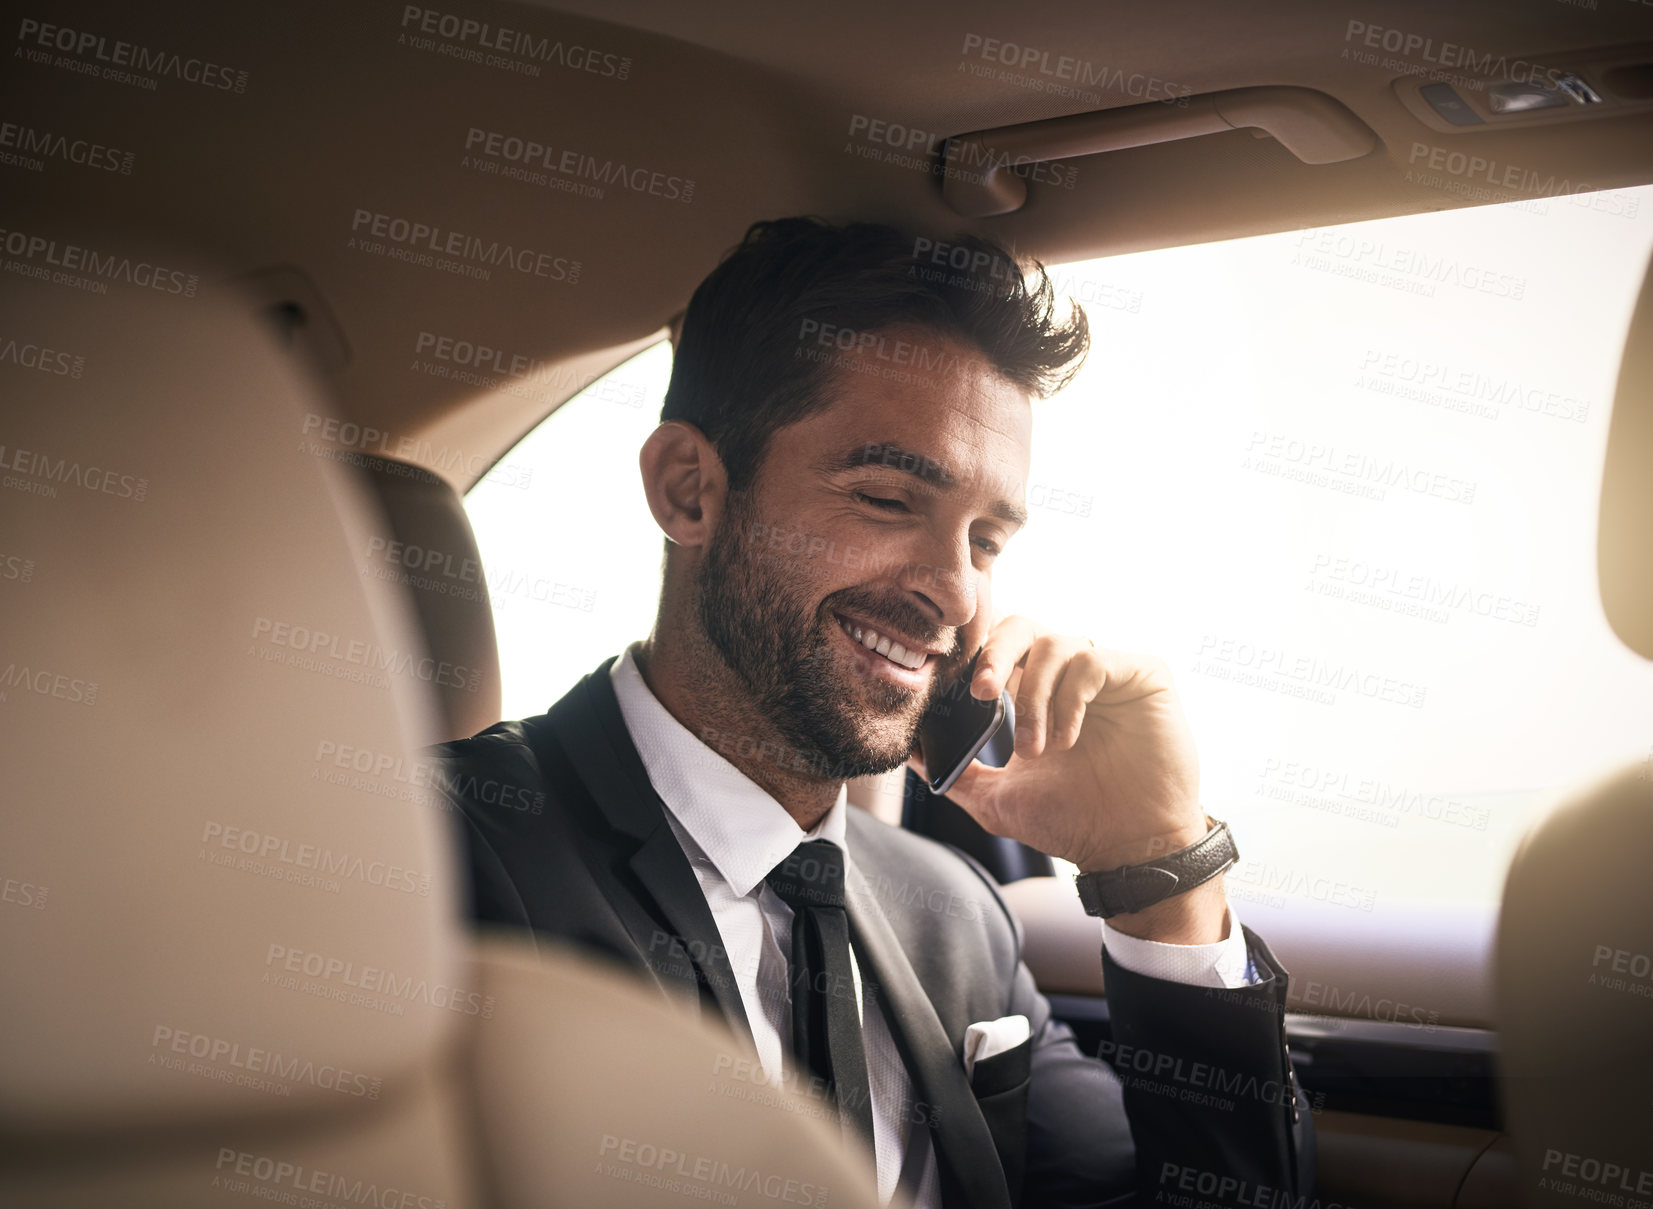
869 762
861 741
885 744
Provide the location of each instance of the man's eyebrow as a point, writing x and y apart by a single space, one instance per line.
920 466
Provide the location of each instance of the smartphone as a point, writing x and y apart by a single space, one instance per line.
957 728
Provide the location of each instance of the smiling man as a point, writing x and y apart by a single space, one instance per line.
842 457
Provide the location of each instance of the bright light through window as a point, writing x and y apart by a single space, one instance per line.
1345 481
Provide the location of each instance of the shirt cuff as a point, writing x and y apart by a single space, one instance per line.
1225 963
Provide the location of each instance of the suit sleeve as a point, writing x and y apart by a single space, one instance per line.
1213 1100
473 776
1193 1096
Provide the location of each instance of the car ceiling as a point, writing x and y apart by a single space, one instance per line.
756 103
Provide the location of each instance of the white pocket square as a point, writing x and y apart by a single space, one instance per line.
986 1038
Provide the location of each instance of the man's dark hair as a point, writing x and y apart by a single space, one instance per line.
755 355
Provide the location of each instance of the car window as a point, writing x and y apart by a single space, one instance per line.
572 555
1343 480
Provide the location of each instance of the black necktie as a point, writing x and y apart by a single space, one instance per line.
826 1020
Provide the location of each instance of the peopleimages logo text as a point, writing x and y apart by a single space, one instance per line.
1033 61
119 53
1425 48
425 240
279 850
281 1179
77 258
50 144
254 1060
361 653
526 153
484 35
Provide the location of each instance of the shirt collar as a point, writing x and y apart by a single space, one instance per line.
742 830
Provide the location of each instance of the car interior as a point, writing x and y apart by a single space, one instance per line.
291 294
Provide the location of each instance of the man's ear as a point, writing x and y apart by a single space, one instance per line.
684 481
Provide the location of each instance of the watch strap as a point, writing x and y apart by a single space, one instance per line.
1132 888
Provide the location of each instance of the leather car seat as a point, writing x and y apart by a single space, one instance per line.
234 965
428 548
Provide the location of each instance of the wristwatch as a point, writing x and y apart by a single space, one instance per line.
1132 888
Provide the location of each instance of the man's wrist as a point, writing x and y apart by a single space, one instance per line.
1224 963
1198 915
1194 917
1147 847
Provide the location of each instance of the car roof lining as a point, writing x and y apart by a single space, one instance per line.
756 106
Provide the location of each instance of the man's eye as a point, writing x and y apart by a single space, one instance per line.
883 503
988 545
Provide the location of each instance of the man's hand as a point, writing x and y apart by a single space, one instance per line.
1104 772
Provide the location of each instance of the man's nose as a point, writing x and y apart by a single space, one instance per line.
945 581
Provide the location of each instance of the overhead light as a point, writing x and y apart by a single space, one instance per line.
1513 97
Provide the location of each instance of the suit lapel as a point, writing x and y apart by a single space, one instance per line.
593 735
662 867
964 1145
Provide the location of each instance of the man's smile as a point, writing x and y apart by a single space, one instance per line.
889 656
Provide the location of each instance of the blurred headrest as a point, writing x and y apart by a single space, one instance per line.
429 549
227 888
1574 974
1624 545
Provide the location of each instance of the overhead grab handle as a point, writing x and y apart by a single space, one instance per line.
1314 127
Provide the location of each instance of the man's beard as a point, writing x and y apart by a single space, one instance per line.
760 620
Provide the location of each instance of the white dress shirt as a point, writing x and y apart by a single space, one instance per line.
733 833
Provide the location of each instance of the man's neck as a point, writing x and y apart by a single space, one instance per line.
712 706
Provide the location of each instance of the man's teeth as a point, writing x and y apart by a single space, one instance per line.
893 651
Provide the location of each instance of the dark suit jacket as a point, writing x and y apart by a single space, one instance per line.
567 836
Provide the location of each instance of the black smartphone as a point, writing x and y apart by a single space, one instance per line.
957 728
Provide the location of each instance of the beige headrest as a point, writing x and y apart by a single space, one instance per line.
1624 543
1575 997
428 548
225 891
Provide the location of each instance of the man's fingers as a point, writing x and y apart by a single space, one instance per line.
1081 680
1006 644
1060 680
1013 684
1127 677
1046 660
